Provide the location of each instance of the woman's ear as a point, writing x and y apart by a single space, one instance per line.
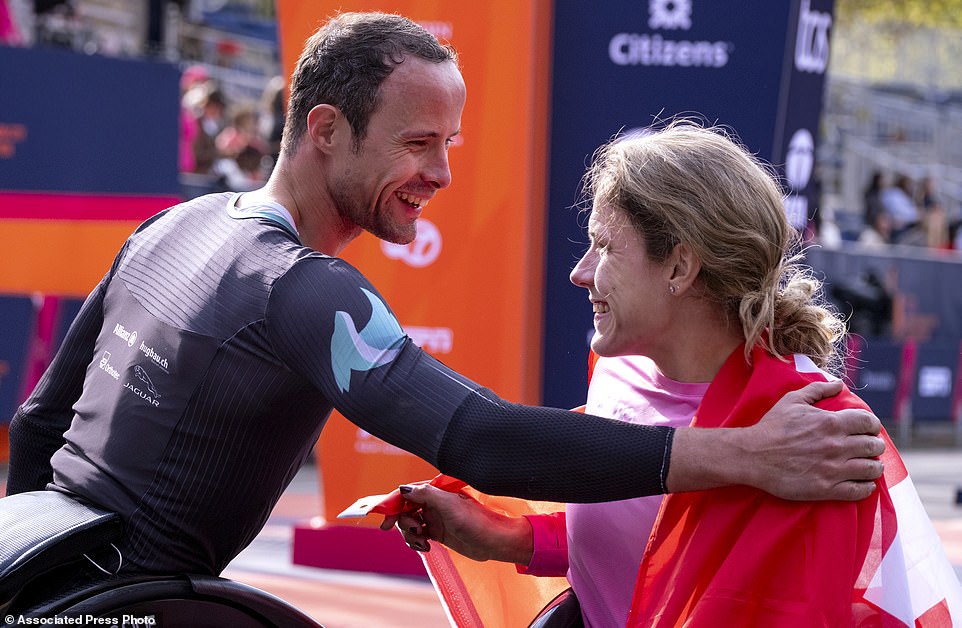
682 267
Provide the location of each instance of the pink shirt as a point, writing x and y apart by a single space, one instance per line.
599 546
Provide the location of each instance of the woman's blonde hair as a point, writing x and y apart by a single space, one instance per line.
690 183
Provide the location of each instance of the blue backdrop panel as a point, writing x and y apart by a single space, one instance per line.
17 314
67 311
925 288
758 70
87 123
936 366
876 376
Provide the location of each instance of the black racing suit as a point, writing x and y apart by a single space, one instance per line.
200 371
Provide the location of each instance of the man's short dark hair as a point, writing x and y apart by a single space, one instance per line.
344 63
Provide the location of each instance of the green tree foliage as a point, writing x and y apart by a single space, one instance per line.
901 13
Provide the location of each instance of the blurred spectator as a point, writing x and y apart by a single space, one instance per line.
935 225
243 131
899 204
935 220
273 105
878 233
243 172
866 301
9 32
191 85
829 234
927 195
57 24
872 199
210 123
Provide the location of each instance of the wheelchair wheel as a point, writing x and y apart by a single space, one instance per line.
196 601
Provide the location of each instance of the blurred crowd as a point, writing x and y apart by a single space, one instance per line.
233 144
900 210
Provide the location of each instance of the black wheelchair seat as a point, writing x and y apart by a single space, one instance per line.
42 531
189 600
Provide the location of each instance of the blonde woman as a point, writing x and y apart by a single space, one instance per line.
690 271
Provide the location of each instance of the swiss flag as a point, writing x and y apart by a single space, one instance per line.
737 556
910 582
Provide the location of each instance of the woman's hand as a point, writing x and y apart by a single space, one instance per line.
463 525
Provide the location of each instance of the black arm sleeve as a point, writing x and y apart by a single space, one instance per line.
37 428
549 454
330 325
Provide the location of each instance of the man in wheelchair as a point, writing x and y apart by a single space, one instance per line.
199 373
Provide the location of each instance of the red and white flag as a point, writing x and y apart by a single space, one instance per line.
910 581
737 556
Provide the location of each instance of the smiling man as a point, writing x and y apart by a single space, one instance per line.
254 331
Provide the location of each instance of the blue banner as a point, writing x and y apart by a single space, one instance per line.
87 123
757 69
936 376
874 375
18 315
926 304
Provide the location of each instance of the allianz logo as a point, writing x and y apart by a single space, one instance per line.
130 337
656 50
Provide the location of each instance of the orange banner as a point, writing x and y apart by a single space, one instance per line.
63 257
469 289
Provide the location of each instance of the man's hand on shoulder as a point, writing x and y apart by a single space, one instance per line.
801 452
796 451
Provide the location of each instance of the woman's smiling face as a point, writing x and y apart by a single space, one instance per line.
628 291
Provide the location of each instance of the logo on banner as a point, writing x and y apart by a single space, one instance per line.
422 252
440 30
655 50
811 42
435 340
10 136
799 162
367 443
669 14
935 381
877 381
800 159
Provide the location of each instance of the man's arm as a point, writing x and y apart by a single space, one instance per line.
328 323
37 429
797 451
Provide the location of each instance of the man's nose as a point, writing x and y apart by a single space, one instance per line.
438 170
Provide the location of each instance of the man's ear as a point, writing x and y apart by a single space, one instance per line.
322 121
683 267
